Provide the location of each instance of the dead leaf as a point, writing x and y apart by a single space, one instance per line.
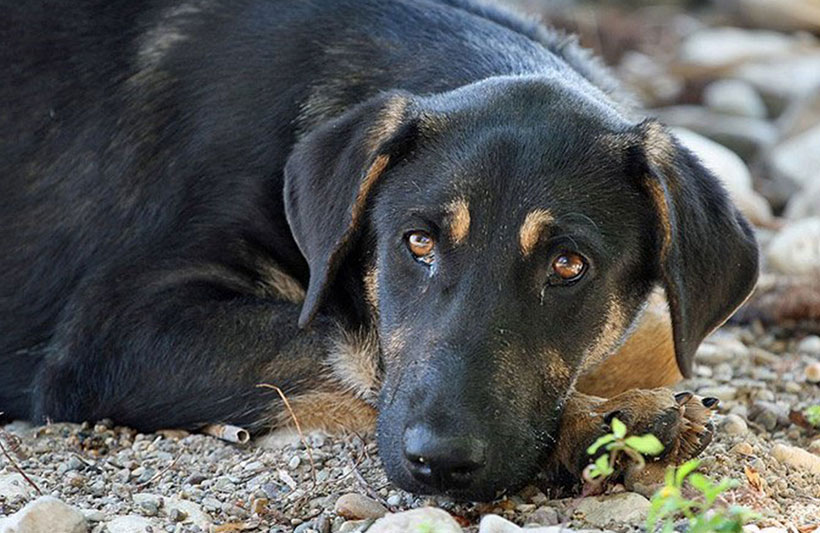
753 477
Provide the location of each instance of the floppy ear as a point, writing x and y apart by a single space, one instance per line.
328 178
707 254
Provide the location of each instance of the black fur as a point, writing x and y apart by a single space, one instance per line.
151 150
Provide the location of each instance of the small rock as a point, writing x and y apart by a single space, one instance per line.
356 506
193 513
45 515
394 500
796 249
717 48
734 425
798 159
810 345
724 393
744 136
743 448
14 486
768 414
813 373
782 79
422 519
294 462
734 97
130 524
806 203
626 507
352 526
797 458
814 446
544 516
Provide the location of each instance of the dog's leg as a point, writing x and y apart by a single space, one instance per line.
186 347
645 361
681 421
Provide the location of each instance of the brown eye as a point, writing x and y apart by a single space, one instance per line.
421 245
569 266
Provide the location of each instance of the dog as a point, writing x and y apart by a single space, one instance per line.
434 218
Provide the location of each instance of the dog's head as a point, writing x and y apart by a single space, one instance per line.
501 237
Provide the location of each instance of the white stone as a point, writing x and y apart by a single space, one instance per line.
626 507
724 47
783 78
45 515
129 524
796 249
805 203
730 169
797 458
194 512
492 523
798 158
734 97
423 519
14 486
809 345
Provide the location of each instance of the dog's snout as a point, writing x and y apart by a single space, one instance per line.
443 461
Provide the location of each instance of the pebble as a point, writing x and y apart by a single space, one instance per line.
294 462
809 345
394 500
422 519
492 523
190 512
797 458
46 514
14 486
796 249
626 507
544 516
812 372
357 507
129 524
734 97
724 393
768 414
797 158
806 203
716 48
734 425
743 448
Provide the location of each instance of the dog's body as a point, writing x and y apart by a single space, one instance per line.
184 183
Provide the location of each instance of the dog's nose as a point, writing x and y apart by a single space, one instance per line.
443 462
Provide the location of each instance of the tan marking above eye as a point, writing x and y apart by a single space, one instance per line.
569 265
421 245
458 220
531 229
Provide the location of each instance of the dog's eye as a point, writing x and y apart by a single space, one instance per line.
568 266
421 245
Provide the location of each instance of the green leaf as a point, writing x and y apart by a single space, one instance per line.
605 439
700 482
684 470
646 444
602 464
618 428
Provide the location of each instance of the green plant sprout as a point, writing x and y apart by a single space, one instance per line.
812 415
617 443
702 515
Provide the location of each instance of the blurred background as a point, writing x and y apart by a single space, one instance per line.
739 81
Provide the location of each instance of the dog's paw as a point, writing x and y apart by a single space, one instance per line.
681 421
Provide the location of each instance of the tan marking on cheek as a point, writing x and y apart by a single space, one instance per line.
459 220
331 412
608 338
276 282
371 290
388 122
353 359
662 208
531 229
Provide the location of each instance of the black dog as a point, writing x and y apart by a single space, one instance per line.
428 207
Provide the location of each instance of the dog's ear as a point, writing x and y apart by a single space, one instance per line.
328 179
707 253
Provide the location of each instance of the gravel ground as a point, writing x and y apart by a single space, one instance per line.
726 90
